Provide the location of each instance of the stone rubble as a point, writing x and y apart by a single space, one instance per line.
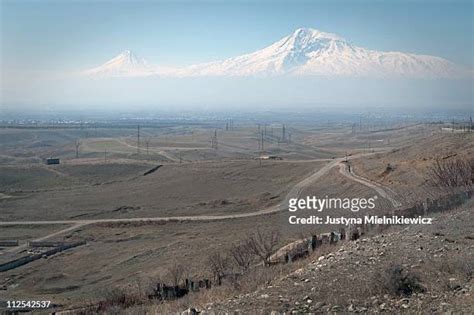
314 288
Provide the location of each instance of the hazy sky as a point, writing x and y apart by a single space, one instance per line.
68 35
46 39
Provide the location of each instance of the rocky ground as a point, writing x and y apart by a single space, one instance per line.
414 269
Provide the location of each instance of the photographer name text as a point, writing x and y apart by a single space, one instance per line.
350 204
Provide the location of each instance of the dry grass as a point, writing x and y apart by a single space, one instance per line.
134 300
255 279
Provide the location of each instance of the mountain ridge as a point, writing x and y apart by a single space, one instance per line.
305 52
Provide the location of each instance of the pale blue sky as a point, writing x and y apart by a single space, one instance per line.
44 41
72 35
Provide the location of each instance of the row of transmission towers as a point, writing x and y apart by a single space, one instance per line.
268 135
229 126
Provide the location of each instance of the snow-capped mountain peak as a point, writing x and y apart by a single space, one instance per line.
128 58
305 52
124 64
310 35
297 48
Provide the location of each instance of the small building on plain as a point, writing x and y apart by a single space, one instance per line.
52 161
269 157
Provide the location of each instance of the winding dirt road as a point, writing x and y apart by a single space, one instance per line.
383 191
294 192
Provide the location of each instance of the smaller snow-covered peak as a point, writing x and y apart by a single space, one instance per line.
129 54
124 64
127 57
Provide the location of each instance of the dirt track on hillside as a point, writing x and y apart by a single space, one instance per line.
293 193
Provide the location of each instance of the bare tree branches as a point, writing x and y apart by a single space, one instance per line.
239 258
242 255
176 274
452 173
219 266
264 244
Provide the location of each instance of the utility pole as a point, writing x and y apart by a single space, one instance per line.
470 124
283 133
77 144
138 139
214 140
147 142
261 149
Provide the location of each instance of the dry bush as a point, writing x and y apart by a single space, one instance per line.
262 276
176 274
458 266
219 266
252 280
396 280
264 244
452 173
242 256
195 299
114 301
402 282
